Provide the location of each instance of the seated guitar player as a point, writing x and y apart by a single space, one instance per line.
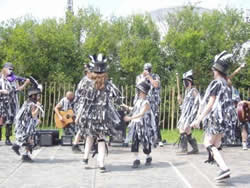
65 104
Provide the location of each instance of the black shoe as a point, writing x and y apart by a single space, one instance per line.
85 162
223 174
194 151
76 149
226 177
26 158
183 144
103 170
8 142
193 143
148 161
220 148
136 164
16 148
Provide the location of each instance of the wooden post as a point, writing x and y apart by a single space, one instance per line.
45 103
173 108
177 110
53 106
131 96
126 93
243 94
164 107
122 88
49 104
160 111
169 106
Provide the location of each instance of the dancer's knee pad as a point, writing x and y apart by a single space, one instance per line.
101 140
147 151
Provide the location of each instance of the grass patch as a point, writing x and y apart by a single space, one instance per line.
170 135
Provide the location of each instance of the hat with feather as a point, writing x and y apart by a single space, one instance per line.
36 88
221 62
100 63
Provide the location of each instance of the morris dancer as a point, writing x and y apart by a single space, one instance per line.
189 109
97 115
216 106
142 126
153 95
13 102
65 104
26 121
78 101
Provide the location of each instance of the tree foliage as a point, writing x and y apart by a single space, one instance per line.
57 49
193 40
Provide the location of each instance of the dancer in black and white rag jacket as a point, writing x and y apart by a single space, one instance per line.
79 103
96 114
153 95
142 125
189 108
11 82
26 121
217 112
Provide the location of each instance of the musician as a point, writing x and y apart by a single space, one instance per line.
230 135
65 104
26 121
13 103
216 105
97 115
153 94
245 127
189 109
142 125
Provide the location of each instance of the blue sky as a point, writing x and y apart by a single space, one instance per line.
56 8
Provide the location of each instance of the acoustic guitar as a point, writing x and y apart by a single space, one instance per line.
68 117
243 112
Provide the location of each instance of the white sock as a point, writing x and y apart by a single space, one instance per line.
76 141
218 158
136 154
101 153
88 146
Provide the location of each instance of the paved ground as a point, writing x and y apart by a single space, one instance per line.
58 167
